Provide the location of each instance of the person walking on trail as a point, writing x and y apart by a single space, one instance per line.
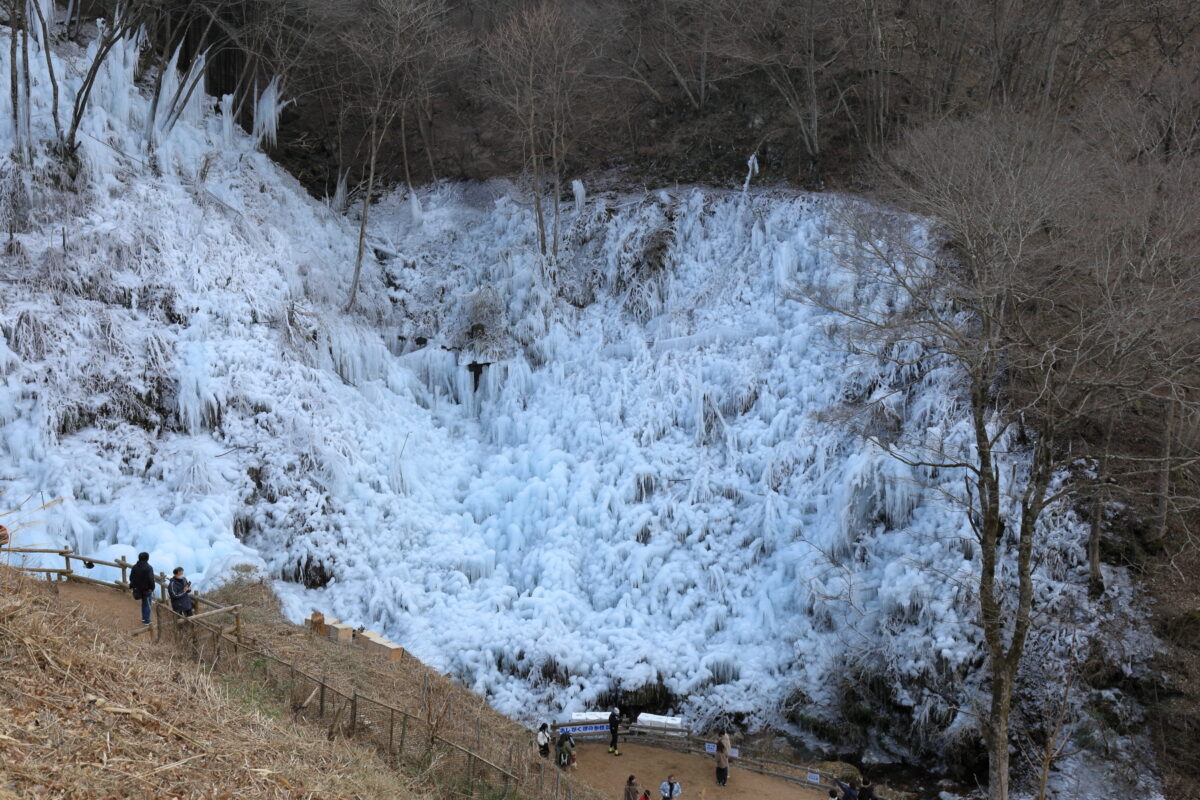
670 788
179 589
631 789
614 722
141 581
867 790
543 741
724 748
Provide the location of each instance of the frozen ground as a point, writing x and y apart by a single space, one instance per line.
622 473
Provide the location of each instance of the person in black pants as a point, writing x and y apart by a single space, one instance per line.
614 722
141 581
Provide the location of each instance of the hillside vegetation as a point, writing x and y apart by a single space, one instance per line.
85 713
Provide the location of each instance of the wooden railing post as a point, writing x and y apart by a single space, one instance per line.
403 732
321 710
353 712
66 554
124 568
391 729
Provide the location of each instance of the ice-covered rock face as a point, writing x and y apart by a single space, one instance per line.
625 472
653 484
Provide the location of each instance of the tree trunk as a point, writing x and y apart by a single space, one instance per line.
997 733
27 106
45 29
1095 578
1163 515
538 212
14 86
423 129
404 147
362 225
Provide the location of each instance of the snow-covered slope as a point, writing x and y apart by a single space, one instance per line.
624 473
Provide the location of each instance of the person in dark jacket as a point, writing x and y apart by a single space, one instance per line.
179 589
543 740
565 749
141 581
614 722
849 792
867 790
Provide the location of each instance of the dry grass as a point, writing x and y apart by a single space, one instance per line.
85 714
459 714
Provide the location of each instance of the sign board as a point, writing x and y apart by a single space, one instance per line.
711 747
574 729
814 777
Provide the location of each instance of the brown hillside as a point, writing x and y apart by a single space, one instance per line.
84 714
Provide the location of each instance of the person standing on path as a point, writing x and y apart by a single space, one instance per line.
724 748
614 722
670 788
179 589
631 789
543 741
141 581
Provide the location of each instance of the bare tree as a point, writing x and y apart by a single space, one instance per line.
536 73
1047 339
795 43
390 44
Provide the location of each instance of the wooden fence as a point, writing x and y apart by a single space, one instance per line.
448 751
67 572
683 740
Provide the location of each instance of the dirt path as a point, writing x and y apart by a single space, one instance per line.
118 611
696 774
108 607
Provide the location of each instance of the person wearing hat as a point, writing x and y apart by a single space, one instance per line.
614 722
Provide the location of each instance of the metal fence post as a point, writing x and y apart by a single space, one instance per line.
391 728
321 711
353 712
403 732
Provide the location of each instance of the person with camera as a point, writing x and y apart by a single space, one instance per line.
179 589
